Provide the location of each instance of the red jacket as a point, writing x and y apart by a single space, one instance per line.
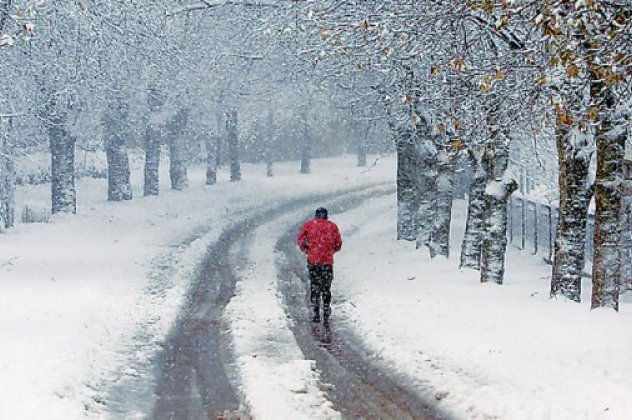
320 239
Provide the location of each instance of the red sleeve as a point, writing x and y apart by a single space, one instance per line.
301 239
338 239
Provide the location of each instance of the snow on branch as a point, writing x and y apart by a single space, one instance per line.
207 4
511 39
7 116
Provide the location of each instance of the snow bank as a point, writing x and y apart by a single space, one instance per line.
276 379
85 297
484 351
34 168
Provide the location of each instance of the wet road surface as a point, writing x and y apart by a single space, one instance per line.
194 379
358 388
194 383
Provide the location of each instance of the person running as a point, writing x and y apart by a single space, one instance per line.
319 238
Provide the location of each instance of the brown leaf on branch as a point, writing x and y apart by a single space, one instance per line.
457 145
457 64
564 118
572 70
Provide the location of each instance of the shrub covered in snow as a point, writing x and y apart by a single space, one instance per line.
34 169
35 212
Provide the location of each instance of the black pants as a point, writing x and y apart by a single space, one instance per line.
320 277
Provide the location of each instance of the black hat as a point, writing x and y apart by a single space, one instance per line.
321 213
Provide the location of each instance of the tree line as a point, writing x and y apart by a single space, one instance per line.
463 80
117 74
448 81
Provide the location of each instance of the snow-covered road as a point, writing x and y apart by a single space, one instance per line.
357 386
89 303
270 363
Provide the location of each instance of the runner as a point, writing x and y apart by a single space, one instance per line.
319 238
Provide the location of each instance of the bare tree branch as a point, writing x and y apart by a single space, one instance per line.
206 4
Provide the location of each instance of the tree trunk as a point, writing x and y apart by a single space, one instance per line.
497 193
426 183
176 128
219 125
152 161
306 147
361 146
435 183
212 143
270 145
407 197
626 229
7 179
233 145
494 244
306 153
153 140
119 185
575 195
62 147
475 225
361 161
7 192
610 139
440 238
194 147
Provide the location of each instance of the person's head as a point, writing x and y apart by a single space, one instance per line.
321 213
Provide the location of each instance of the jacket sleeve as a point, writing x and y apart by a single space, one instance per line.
301 239
338 240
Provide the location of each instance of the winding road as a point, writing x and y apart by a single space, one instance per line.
195 379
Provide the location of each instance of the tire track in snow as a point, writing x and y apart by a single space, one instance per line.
193 383
357 387
194 371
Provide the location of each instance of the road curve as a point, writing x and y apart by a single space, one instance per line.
194 380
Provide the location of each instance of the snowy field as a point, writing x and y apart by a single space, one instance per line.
84 298
484 351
